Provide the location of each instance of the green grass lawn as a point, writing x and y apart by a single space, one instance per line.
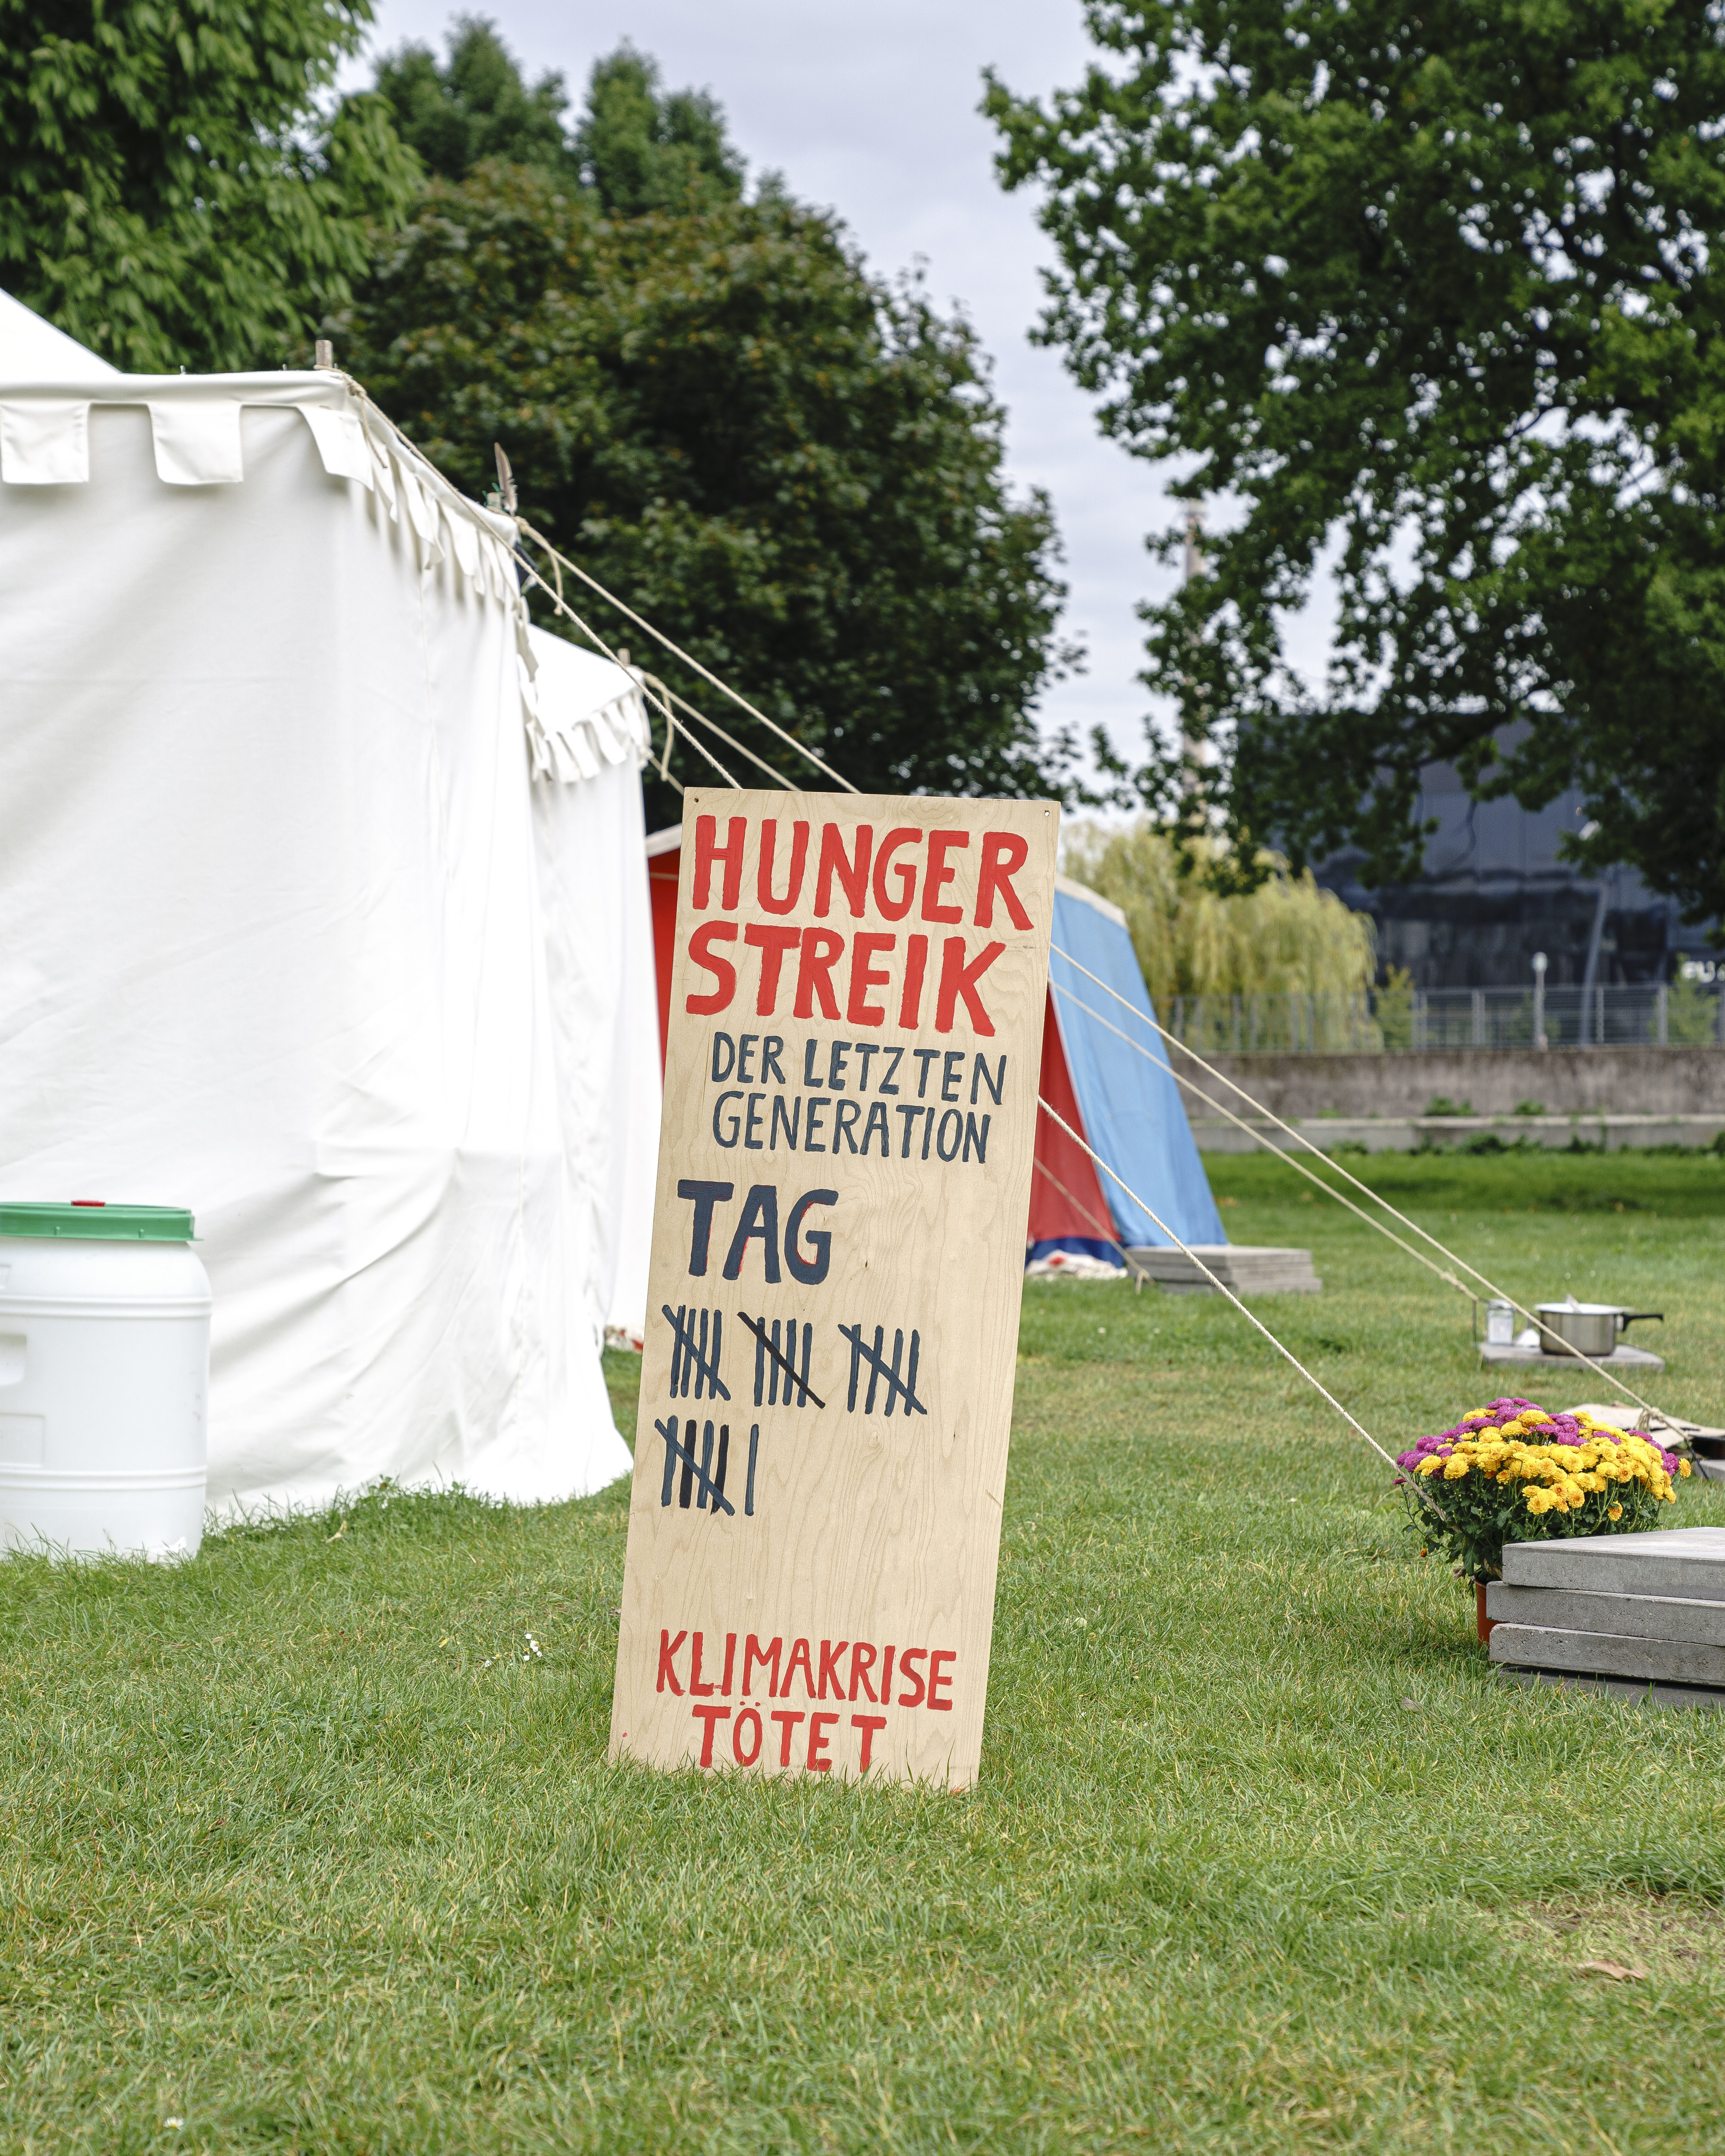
298 1849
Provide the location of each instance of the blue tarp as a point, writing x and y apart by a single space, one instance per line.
1133 1113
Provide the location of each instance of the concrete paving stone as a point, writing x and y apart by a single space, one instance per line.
1689 1562
1609 1654
1621 1358
1630 1616
1707 1696
1247 1268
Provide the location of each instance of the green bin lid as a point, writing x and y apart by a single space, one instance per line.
93 1220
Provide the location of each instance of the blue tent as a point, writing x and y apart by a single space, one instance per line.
1125 1104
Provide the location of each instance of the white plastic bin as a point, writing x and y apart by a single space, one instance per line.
104 1380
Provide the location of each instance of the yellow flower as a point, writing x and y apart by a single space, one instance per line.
1683 1469
1430 1466
1455 1468
1613 1512
1539 1501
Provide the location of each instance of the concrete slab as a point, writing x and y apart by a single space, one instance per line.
1630 1616
1609 1654
1247 1268
1682 1561
1705 1696
1621 1358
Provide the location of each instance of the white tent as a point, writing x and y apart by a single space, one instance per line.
324 915
32 350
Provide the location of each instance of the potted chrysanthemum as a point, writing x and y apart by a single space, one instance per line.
1512 1472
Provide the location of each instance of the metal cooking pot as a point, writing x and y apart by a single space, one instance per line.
1585 1328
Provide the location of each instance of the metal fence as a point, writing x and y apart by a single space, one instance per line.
1682 1014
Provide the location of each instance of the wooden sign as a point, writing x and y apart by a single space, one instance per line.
850 1089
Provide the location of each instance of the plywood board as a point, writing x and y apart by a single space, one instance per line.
855 1037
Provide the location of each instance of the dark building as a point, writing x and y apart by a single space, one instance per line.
1494 892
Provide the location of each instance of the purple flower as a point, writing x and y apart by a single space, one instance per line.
1559 1430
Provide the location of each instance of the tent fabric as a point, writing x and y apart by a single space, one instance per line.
586 714
588 837
1130 1104
32 350
664 860
1069 1211
274 876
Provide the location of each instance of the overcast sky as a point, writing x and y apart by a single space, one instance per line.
871 109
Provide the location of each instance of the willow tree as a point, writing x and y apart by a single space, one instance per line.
1284 936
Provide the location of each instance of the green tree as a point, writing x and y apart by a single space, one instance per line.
475 105
171 189
793 469
641 149
1281 965
638 147
1438 291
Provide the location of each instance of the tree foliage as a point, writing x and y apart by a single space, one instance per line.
475 105
172 191
641 149
1192 940
1434 285
793 469
637 146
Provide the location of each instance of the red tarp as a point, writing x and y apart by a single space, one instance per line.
1079 1211
662 872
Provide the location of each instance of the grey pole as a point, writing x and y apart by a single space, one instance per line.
1593 967
1539 1038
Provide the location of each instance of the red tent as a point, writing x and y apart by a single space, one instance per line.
1067 1206
665 857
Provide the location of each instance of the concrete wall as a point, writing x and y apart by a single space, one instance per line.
1405 1133
1634 1082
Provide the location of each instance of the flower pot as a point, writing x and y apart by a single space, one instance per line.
1480 1619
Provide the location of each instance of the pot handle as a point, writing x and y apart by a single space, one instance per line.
1627 1317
